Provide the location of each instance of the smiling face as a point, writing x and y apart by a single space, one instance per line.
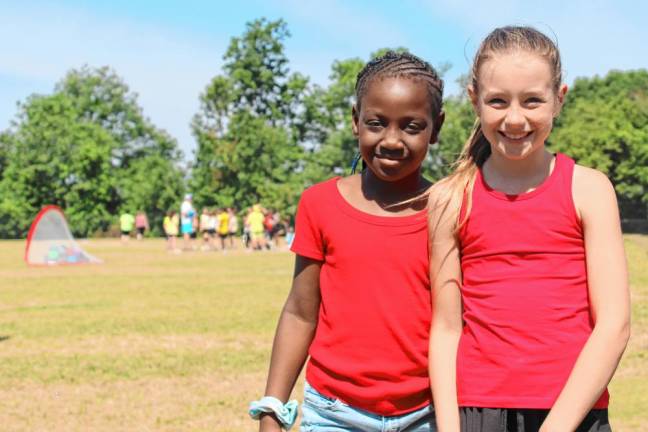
395 126
516 102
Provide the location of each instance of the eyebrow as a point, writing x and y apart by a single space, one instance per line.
532 90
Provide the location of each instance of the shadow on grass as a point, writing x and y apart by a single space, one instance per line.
4 338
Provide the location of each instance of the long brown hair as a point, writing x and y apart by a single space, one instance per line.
477 149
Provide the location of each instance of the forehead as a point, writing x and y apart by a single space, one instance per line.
397 94
516 70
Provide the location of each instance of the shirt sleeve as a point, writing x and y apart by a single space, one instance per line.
308 236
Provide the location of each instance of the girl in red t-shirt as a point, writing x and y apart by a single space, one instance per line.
359 307
530 292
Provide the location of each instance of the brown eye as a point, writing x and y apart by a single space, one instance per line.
373 124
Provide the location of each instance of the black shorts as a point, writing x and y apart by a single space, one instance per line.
125 233
223 236
523 420
140 230
211 231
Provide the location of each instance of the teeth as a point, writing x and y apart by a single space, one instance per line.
518 136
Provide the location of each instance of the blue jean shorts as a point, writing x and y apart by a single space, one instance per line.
321 413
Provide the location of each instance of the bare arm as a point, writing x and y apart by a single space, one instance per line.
295 331
609 302
445 274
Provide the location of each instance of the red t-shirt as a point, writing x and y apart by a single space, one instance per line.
371 344
525 296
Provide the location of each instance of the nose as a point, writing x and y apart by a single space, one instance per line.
514 117
392 139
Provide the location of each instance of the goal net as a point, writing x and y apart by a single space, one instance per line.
50 241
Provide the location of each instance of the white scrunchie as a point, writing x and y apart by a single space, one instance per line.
286 413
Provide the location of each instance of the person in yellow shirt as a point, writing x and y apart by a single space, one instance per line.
126 225
170 225
255 223
223 226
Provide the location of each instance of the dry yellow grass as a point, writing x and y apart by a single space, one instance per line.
151 341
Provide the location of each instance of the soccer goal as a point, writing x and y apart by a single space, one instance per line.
50 241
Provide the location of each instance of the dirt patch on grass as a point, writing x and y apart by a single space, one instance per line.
128 344
208 402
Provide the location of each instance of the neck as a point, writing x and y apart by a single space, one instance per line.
531 166
517 176
388 193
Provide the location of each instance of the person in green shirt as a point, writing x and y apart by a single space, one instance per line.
126 224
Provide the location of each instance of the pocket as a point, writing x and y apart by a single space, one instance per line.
317 400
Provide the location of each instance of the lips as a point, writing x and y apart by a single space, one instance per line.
391 154
389 160
515 137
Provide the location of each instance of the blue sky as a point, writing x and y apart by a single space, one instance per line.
167 51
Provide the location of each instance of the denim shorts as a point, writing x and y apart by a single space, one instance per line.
321 413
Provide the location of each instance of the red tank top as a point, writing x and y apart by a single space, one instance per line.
525 297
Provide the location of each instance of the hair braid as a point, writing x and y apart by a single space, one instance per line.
394 64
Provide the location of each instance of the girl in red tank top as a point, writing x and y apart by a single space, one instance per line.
529 285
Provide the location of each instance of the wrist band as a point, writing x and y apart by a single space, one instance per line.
286 413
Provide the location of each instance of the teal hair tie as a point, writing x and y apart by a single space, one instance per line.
285 413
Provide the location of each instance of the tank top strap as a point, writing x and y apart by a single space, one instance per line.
566 180
565 165
464 200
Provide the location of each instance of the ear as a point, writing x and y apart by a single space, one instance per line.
436 127
562 91
474 98
354 120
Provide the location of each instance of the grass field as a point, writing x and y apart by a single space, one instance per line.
151 341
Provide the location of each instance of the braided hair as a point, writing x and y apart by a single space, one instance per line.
407 65
394 64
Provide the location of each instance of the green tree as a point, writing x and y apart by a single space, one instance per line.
248 128
327 112
459 120
604 125
6 142
87 148
57 159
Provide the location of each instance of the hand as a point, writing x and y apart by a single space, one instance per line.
269 423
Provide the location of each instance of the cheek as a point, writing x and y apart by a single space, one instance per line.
489 123
543 120
490 117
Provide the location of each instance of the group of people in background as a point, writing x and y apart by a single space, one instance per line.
127 222
214 228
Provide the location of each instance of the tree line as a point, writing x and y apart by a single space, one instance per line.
263 134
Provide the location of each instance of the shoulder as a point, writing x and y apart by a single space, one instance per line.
444 199
588 182
325 188
592 191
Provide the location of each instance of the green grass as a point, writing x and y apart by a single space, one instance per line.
156 341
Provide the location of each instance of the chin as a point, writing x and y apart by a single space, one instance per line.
515 152
390 174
